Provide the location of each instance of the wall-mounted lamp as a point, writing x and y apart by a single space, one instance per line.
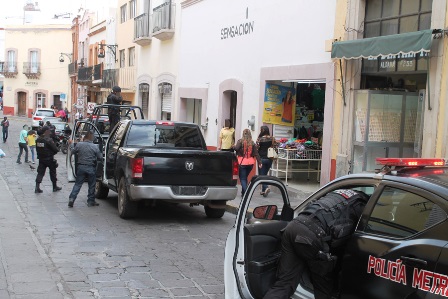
205 126
69 56
251 123
112 48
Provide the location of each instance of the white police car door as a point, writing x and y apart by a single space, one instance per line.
78 133
394 251
253 244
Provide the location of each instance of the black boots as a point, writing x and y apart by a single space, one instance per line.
55 187
37 189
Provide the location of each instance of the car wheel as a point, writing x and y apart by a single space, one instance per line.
101 191
214 213
126 208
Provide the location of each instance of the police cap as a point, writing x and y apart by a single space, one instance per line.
116 89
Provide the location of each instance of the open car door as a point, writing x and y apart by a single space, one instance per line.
253 245
78 133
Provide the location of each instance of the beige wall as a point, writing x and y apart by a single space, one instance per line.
54 78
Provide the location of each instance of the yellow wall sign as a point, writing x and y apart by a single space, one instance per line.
279 105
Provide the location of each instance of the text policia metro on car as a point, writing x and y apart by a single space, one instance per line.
427 281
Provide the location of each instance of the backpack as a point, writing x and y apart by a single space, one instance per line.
338 212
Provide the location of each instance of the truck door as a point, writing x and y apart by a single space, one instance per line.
78 133
394 244
113 144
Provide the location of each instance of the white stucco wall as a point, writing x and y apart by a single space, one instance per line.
286 33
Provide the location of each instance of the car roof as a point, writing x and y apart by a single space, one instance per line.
46 109
145 121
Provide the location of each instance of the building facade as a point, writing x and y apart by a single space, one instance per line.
390 100
34 76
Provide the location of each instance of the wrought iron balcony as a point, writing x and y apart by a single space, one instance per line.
72 68
142 29
163 21
31 70
8 69
85 75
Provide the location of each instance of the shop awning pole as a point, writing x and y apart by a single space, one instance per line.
342 82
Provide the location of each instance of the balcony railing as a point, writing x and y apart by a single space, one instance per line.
142 29
110 78
85 75
31 69
8 69
126 78
72 68
163 21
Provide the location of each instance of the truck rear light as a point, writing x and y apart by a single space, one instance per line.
165 123
235 169
418 162
37 118
137 167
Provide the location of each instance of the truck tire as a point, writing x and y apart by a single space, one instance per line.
101 191
126 208
214 213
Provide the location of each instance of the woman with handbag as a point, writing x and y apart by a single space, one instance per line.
247 153
264 143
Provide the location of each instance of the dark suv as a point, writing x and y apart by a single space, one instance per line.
399 248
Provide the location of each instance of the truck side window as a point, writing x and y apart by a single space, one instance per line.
400 214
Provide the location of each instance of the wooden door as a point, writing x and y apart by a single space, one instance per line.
21 104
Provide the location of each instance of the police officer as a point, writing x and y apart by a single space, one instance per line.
46 149
313 239
88 154
114 112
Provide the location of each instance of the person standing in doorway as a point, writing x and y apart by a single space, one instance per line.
5 128
32 143
23 136
264 142
46 149
88 154
114 112
227 137
248 156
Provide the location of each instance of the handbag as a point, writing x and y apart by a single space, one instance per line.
272 153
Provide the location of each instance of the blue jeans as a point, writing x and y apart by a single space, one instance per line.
32 148
83 172
243 174
267 164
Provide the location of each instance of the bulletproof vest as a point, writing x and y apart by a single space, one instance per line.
338 212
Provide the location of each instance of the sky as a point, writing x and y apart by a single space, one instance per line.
48 8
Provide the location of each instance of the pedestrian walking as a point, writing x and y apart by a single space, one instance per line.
248 156
23 136
66 114
226 137
114 112
264 142
46 149
5 128
88 154
32 143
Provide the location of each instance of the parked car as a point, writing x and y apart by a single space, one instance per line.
399 248
39 115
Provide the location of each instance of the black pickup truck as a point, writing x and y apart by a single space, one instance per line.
165 161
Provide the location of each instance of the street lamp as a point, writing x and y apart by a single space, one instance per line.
112 48
69 56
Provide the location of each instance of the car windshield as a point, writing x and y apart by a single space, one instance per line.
59 126
164 136
45 113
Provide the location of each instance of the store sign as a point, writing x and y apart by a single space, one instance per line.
238 30
29 83
396 63
279 105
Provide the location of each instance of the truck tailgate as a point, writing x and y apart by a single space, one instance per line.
187 167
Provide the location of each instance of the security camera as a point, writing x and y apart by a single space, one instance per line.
61 59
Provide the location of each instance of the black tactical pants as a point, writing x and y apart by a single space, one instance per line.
113 120
300 250
43 164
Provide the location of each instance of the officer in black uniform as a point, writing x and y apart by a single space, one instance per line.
46 149
114 113
313 239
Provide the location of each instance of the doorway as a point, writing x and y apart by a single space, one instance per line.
57 102
229 105
144 95
21 103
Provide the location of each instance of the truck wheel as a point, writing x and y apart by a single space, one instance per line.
214 213
101 191
126 208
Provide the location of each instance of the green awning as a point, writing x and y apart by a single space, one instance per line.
405 43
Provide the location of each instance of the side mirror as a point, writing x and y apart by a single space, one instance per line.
265 212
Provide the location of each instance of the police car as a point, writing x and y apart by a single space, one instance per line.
399 248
